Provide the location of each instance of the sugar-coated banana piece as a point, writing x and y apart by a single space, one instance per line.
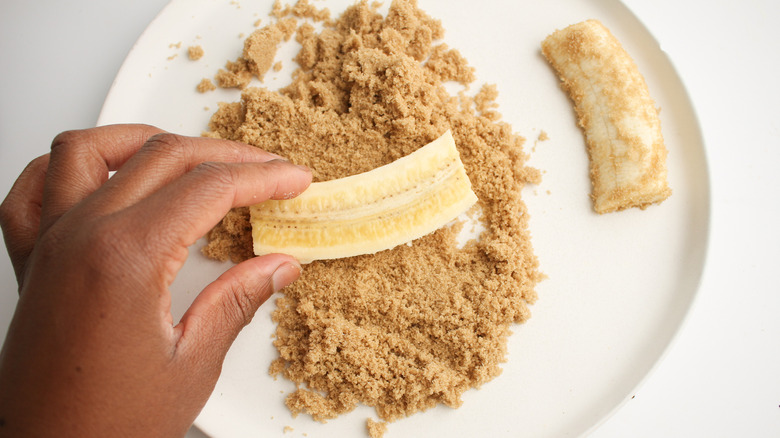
618 116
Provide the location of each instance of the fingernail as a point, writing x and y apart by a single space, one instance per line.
285 274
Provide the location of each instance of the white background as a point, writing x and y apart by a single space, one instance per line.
721 376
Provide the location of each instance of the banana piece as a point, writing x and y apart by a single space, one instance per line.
619 118
368 212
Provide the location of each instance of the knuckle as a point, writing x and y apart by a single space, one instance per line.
66 139
240 306
68 147
216 173
168 145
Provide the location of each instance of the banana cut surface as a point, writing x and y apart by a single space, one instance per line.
368 212
619 118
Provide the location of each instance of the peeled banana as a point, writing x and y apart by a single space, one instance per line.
367 212
619 118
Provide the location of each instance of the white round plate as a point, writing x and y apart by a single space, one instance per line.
619 285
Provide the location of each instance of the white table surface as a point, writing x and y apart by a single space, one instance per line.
719 378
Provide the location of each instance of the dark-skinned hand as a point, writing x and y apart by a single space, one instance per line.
92 350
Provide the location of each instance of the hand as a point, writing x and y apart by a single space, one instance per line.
92 350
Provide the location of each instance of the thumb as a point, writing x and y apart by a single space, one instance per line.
216 316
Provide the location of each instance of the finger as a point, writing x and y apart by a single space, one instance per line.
80 162
224 307
182 212
20 214
165 157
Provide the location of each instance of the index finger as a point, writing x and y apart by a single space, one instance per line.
164 158
180 213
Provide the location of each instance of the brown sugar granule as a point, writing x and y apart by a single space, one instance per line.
258 55
280 10
234 75
260 49
304 9
376 429
450 65
301 9
409 328
205 85
195 52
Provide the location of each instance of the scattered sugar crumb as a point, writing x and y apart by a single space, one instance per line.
376 429
301 9
542 137
172 57
195 52
287 429
280 10
257 23
277 67
258 55
175 45
234 75
206 85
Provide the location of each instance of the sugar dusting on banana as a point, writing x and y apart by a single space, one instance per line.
618 117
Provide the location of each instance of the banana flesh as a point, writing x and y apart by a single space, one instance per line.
368 212
618 116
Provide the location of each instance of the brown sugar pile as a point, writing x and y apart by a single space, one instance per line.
409 328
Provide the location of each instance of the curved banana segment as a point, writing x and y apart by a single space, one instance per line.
618 116
369 212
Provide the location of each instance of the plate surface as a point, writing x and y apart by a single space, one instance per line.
619 285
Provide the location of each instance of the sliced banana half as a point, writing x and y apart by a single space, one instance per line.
368 212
